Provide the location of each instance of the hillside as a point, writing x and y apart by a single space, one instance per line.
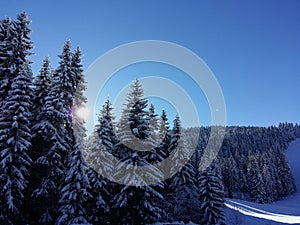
286 210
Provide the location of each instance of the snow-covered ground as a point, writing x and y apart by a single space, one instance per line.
286 211
293 156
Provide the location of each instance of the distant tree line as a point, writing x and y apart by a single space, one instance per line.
50 173
252 160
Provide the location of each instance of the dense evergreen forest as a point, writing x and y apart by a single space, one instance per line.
51 173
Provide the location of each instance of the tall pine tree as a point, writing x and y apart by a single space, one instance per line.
42 85
211 194
74 190
185 198
255 180
137 204
54 139
16 107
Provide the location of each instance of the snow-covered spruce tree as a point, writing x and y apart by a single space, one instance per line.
7 60
15 113
78 101
211 193
164 134
43 195
66 77
134 121
106 131
287 180
107 151
15 46
185 198
153 124
177 142
97 155
49 167
240 177
108 143
268 181
53 140
123 134
42 85
138 115
169 145
136 204
98 209
15 141
154 154
230 176
255 180
79 83
74 190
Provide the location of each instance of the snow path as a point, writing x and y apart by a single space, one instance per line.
290 205
251 211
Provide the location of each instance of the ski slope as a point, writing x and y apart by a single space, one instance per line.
286 211
293 156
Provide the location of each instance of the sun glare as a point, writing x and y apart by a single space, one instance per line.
82 113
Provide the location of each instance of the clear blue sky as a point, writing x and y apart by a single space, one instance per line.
253 47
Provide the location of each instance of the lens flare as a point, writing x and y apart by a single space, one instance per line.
82 113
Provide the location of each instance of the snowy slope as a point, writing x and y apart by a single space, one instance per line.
293 156
286 211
